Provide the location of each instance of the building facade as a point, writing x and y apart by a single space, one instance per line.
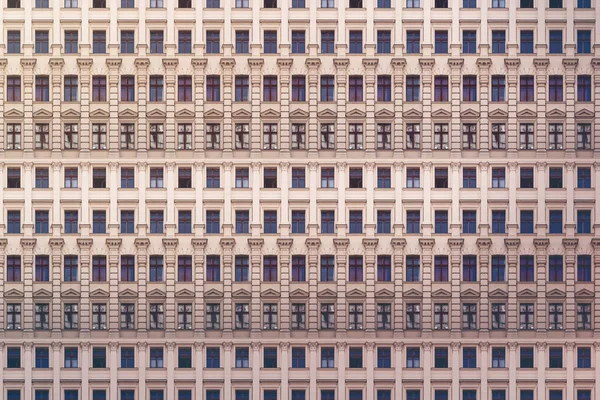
299 199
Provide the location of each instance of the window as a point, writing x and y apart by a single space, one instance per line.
213 316
384 88
498 316
42 90
498 94
298 317
298 357
584 221
99 42
413 221
584 93
327 316
355 316
555 357
270 357
440 316
13 136
498 178
213 357
469 221
556 42
356 221
469 42
441 221
584 41
327 42
270 91
384 41
327 268
441 42
555 83
384 316
413 316
298 42
327 94
213 42
527 269
527 89
498 42
327 357
499 221
413 357
270 42
356 42
184 268
556 224
440 357
156 316
14 221
13 39
413 42
441 178
469 357
526 320
242 357
498 268
413 268
213 221
355 89
469 136
384 268
440 136
584 316
127 42
41 42
498 357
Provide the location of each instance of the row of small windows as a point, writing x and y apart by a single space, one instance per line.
384 221
323 3
327 314
302 394
299 42
356 358
528 269
554 90
271 136
556 178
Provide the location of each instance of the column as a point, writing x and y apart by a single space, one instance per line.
56 131
141 362
28 312
427 81
171 346
341 256
455 346
171 139
28 183
56 365
398 211
541 264
3 63
142 226
312 128
256 369
370 246
255 269
398 370
114 371
341 76
284 267
2 368
483 367
427 265
85 65
227 211
142 273
199 347
341 226
398 262
28 78
512 309
256 77
570 312
455 185
370 370
456 65
256 183
285 368
27 369
512 224
199 64
596 356
541 77
3 243
570 346
170 221
570 131
570 179
484 226
84 276
371 222
426 223
142 65
56 245
596 268
227 245
596 99
370 77
455 273
199 213
427 370
341 359
512 369
284 65
398 127
113 276
228 391
484 101
85 370
313 279
113 64
113 219
228 143
313 179
484 245
170 274
56 211
284 223
541 227
512 132
541 370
